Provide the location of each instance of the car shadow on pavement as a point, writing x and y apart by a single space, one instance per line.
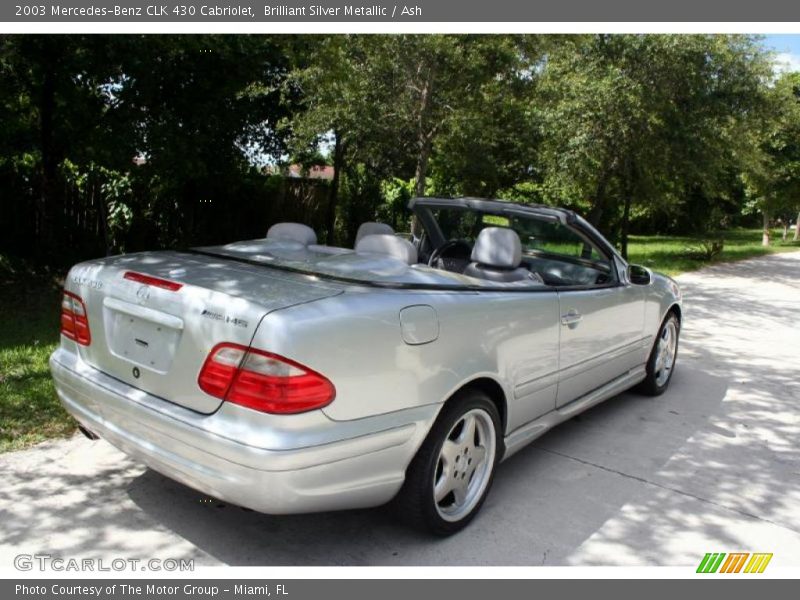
546 500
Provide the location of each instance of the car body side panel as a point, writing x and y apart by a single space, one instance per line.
356 340
660 296
607 341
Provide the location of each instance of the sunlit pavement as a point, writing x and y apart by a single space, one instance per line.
711 466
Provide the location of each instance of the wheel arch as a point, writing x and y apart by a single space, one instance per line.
676 309
495 392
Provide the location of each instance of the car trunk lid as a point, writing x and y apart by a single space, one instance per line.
154 317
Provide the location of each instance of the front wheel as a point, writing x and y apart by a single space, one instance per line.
661 364
450 476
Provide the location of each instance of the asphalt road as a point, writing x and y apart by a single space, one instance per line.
713 465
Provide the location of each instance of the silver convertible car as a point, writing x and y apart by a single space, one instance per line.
287 376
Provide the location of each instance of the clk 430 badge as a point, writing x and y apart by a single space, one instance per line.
235 321
85 281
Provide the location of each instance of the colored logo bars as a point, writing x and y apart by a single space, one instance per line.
719 562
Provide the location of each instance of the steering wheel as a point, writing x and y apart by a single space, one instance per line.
451 255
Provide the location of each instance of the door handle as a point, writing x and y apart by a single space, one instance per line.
573 317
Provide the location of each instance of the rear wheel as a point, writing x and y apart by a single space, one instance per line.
451 475
661 364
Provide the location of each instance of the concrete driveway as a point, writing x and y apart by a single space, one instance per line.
713 465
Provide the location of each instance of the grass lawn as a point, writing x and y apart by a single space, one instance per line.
29 324
673 255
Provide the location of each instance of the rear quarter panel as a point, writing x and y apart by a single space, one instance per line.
355 340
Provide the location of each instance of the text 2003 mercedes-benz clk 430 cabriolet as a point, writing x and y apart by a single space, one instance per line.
287 376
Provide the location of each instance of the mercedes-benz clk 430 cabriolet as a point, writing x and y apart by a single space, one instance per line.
287 376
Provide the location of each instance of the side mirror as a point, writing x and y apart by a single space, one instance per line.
639 275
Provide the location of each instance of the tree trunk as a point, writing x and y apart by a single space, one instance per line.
765 234
626 217
626 212
333 195
797 229
785 232
423 140
421 172
424 146
186 227
419 187
599 200
48 207
95 188
419 184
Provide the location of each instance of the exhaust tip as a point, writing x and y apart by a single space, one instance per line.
89 434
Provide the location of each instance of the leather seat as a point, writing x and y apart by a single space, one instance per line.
388 245
292 232
496 256
373 228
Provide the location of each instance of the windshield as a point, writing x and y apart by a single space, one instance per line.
537 235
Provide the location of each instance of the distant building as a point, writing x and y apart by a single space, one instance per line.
314 172
299 172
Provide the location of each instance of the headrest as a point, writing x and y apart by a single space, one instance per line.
497 247
292 232
388 245
372 228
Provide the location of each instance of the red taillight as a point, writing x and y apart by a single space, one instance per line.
164 284
74 321
263 381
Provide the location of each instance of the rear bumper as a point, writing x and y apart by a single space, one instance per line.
272 464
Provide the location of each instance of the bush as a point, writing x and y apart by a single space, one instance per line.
706 249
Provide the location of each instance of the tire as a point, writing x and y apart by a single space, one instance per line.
662 360
461 469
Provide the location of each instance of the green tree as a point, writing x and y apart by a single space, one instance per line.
342 106
77 111
773 176
400 104
54 106
191 107
492 139
649 119
459 88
